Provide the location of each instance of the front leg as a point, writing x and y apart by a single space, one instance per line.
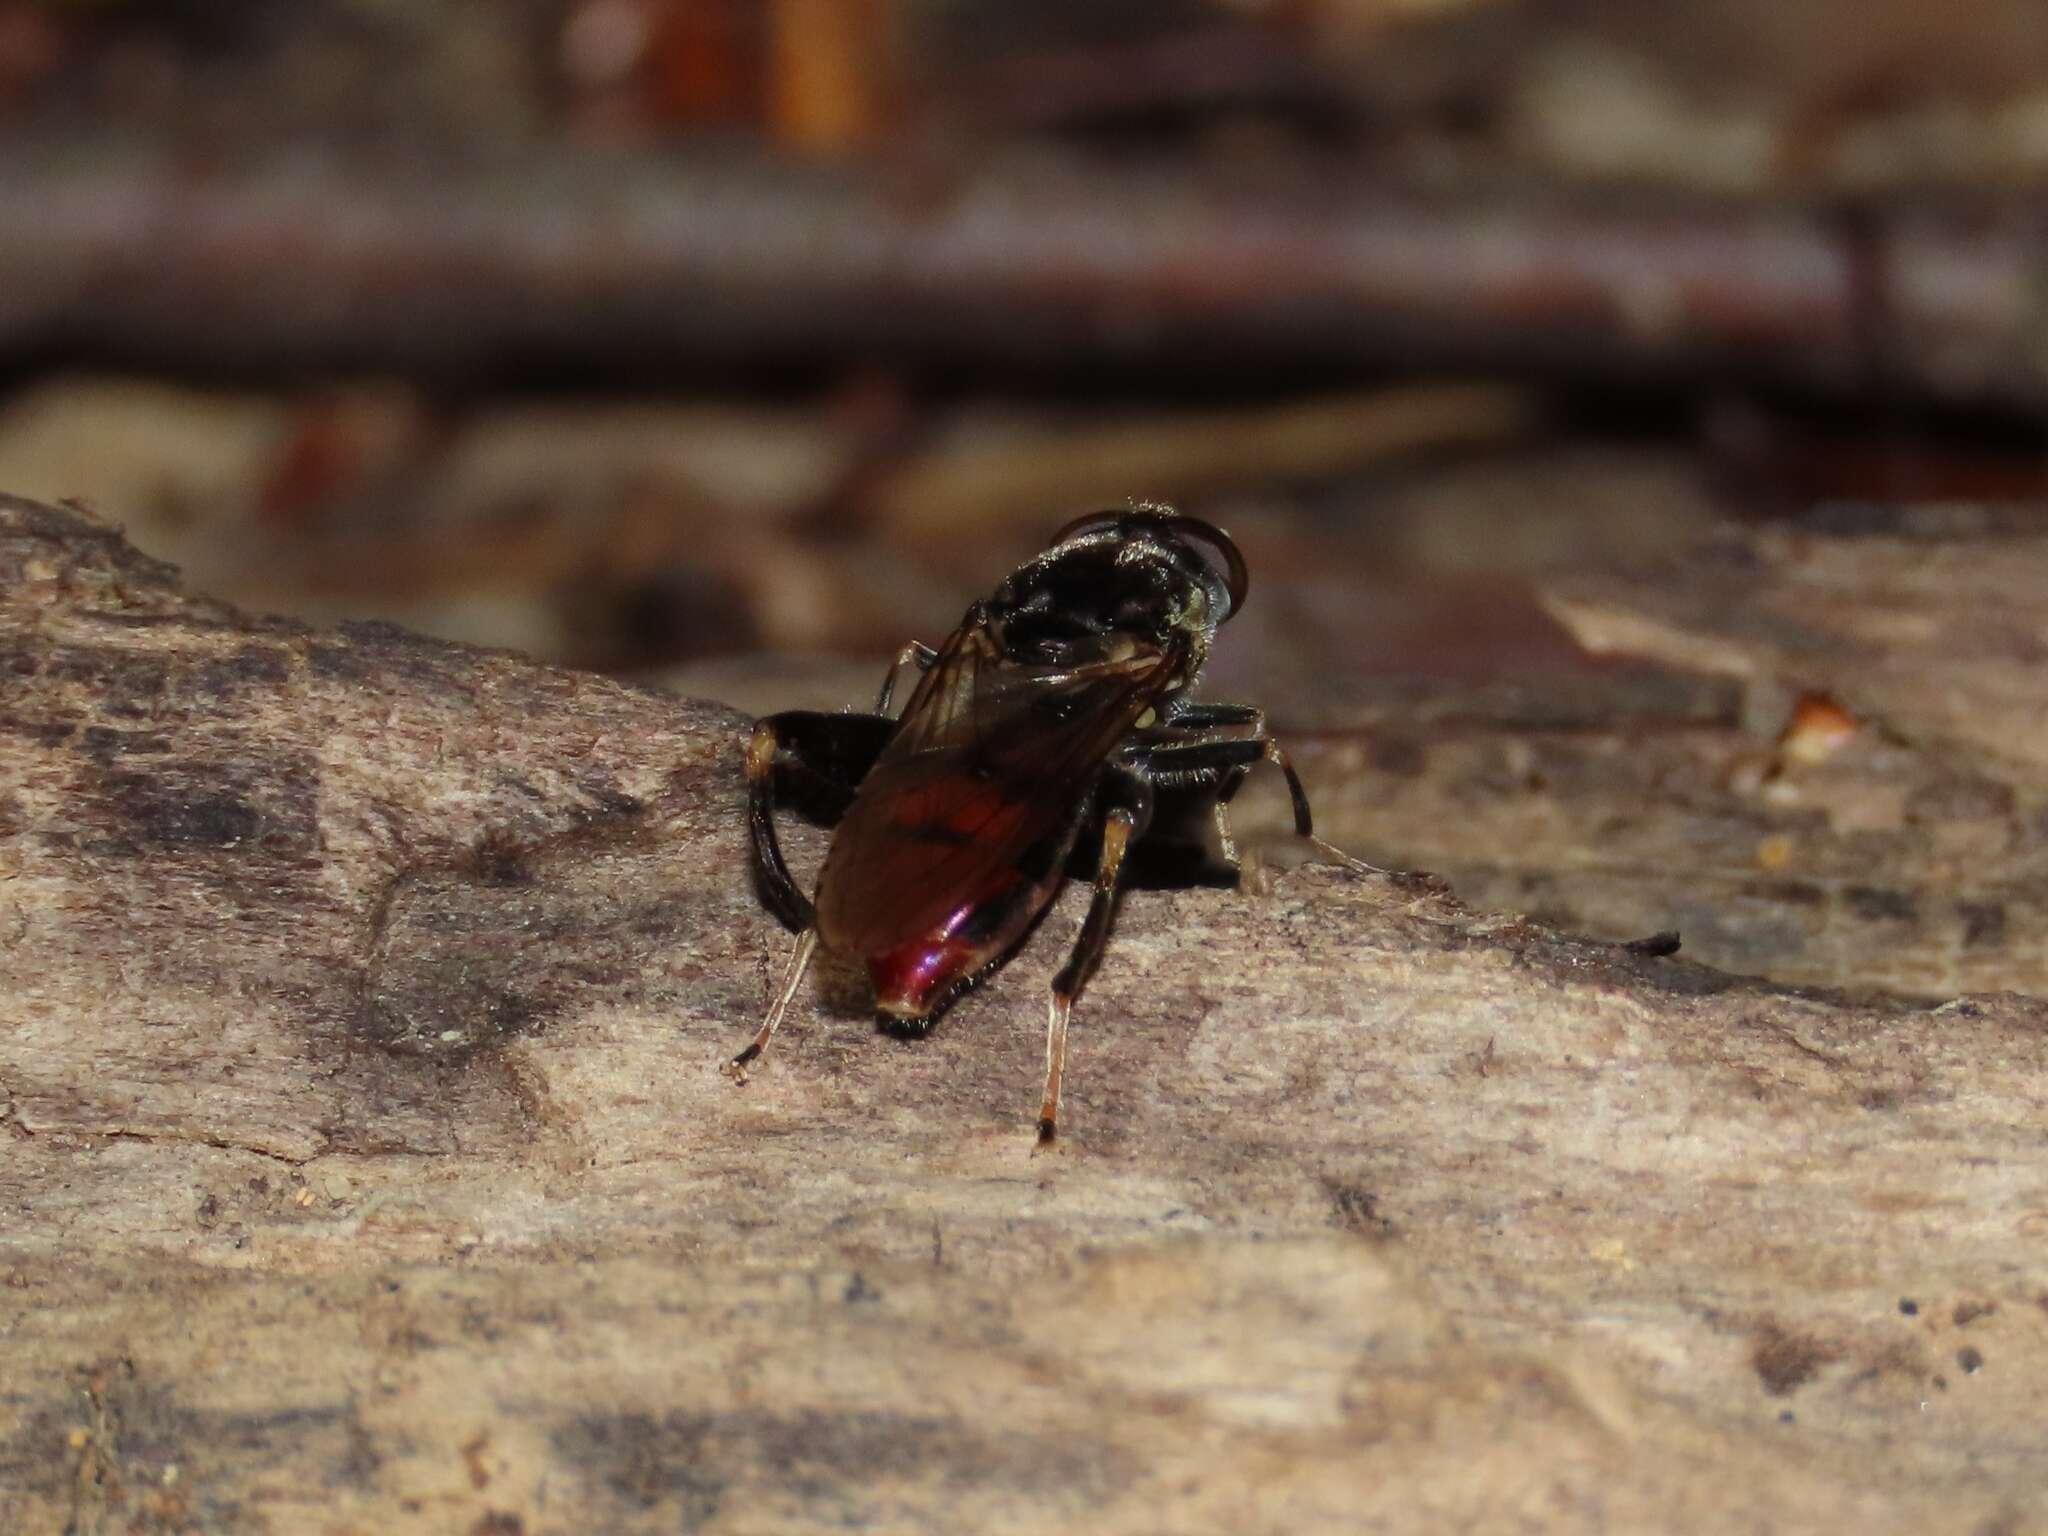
1189 842
1128 798
1191 717
1225 763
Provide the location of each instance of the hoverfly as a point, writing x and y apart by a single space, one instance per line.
1055 730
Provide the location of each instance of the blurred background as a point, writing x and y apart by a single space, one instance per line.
727 344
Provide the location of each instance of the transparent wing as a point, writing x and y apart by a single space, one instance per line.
982 785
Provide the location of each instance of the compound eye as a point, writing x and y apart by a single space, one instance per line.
1236 578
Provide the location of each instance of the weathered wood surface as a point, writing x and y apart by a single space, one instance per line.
1657 789
366 1165
1915 857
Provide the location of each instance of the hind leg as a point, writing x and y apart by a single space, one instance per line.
799 962
815 763
811 763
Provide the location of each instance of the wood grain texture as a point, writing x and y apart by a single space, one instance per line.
367 1167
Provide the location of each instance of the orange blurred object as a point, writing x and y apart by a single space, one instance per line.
830 63
1818 729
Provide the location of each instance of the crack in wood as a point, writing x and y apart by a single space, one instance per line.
218 1143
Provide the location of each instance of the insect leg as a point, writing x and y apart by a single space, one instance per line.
1125 821
771 872
1225 764
1187 714
1186 722
1304 820
799 962
811 763
916 651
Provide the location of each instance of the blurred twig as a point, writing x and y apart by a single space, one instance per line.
285 257
972 487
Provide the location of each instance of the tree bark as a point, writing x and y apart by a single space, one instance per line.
367 1165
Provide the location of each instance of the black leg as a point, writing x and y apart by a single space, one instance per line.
917 651
814 762
771 871
1271 751
811 763
1187 714
1226 764
1187 722
1129 800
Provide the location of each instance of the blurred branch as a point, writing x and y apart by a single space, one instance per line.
285 257
972 488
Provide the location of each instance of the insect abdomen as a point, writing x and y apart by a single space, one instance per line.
947 912
917 978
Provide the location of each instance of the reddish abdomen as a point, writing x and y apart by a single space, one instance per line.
930 884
